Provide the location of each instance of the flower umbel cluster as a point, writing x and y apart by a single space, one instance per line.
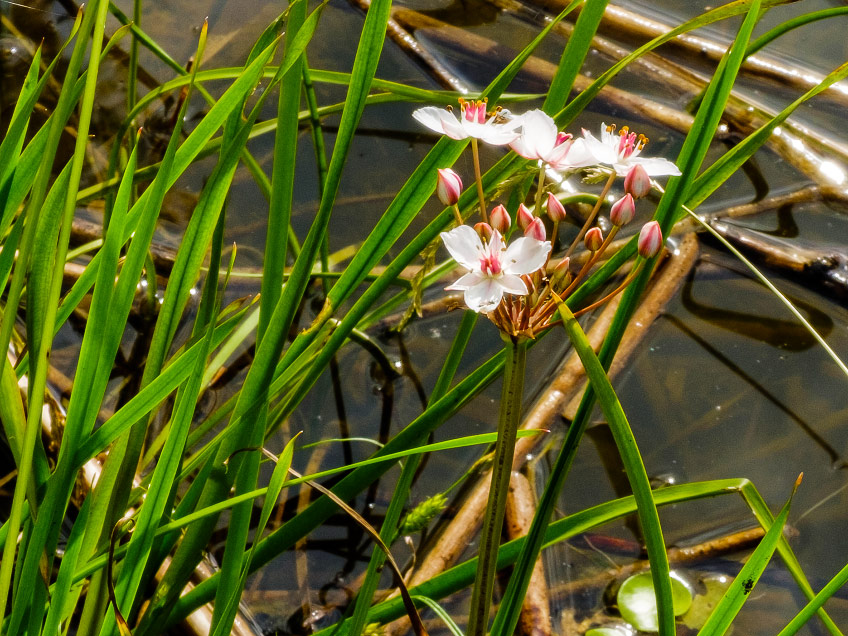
513 280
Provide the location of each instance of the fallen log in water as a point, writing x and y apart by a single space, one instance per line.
825 267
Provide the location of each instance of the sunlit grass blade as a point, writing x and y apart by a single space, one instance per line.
282 178
30 596
249 416
574 54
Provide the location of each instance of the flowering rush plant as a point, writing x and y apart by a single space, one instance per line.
511 275
514 274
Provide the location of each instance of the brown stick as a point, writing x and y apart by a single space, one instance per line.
535 619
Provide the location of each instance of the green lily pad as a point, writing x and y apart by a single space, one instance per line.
606 631
638 605
704 604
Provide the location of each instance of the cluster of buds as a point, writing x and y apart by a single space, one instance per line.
513 279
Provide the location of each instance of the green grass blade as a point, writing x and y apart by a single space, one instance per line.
574 54
816 603
789 25
633 466
765 518
728 607
282 178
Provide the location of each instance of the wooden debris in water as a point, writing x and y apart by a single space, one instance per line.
535 617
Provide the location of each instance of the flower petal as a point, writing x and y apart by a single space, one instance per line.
603 153
464 246
485 296
525 255
492 133
539 133
576 156
466 281
655 166
441 121
512 284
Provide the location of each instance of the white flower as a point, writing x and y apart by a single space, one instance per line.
494 269
541 140
621 151
472 122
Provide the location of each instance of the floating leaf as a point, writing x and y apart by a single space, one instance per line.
609 631
704 604
638 604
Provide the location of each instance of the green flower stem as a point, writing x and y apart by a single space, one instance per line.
475 153
510 416
540 190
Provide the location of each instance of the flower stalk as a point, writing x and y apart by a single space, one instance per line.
508 422
478 178
591 218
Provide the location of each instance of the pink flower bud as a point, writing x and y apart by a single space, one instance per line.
499 218
594 239
525 217
556 211
623 210
637 182
449 186
650 240
536 230
484 230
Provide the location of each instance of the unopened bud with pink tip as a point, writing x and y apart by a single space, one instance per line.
449 186
650 240
623 210
484 231
594 239
556 211
524 216
536 230
499 218
637 182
